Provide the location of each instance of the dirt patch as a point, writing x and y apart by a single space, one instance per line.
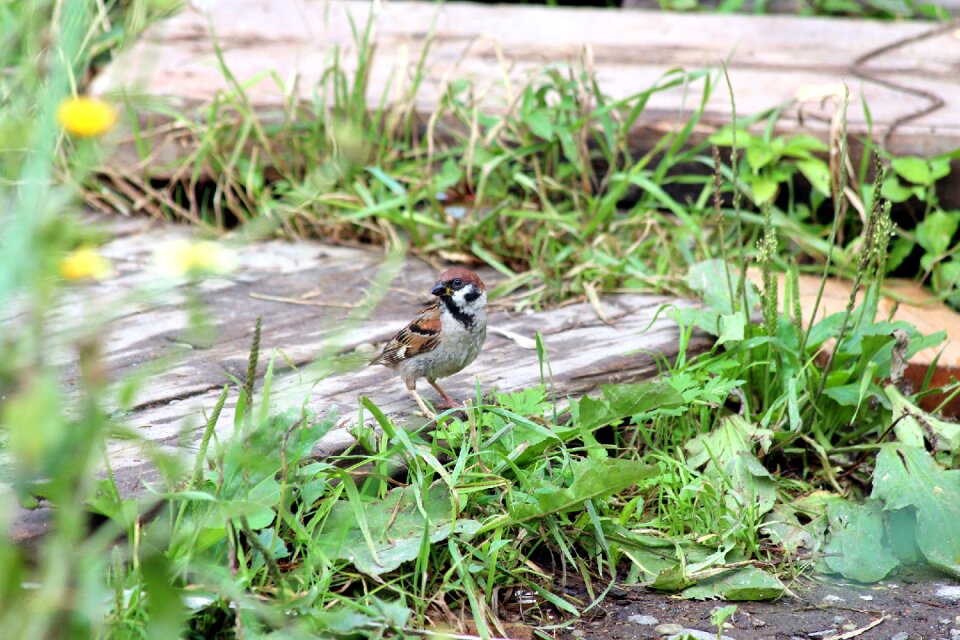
916 605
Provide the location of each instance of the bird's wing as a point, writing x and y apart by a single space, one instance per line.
418 337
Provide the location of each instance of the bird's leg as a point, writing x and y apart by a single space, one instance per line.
448 402
420 403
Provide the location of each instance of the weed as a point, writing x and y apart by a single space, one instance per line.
550 192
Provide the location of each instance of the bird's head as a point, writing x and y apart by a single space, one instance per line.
462 287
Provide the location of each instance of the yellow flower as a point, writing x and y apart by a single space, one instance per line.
86 117
183 257
84 264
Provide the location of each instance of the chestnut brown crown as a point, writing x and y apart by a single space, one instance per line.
459 273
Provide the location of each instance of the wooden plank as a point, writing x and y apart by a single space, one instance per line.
584 351
790 7
906 71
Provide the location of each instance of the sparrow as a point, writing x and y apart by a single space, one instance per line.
444 338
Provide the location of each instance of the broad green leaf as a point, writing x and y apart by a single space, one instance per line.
948 273
650 563
311 491
726 454
746 583
594 412
398 527
902 535
939 167
393 613
266 492
901 248
825 329
592 478
258 507
802 145
910 477
657 561
709 279
540 124
793 404
760 155
257 515
732 326
626 400
817 173
724 137
721 614
750 485
273 544
914 169
893 191
847 395
763 189
639 398
672 580
341 620
855 547
707 320
734 435
784 528
914 425
349 621
936 230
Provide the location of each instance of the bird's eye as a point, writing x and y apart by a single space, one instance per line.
457 283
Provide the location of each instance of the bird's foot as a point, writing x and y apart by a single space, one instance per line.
450 403
424 410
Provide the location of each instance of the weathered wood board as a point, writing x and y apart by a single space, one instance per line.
320 283
908 72
791 7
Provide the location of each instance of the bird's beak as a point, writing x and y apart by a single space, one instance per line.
441 290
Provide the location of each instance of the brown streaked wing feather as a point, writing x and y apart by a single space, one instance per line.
420 336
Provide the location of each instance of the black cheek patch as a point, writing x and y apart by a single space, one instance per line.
472 296
457 313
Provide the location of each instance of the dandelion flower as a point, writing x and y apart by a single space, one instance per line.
184 257
84 264
86 117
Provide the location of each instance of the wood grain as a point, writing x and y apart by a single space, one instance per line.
908 72
791 7
146 321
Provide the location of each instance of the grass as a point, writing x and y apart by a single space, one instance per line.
526 509
873 9
551 193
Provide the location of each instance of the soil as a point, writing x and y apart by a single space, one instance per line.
912 606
